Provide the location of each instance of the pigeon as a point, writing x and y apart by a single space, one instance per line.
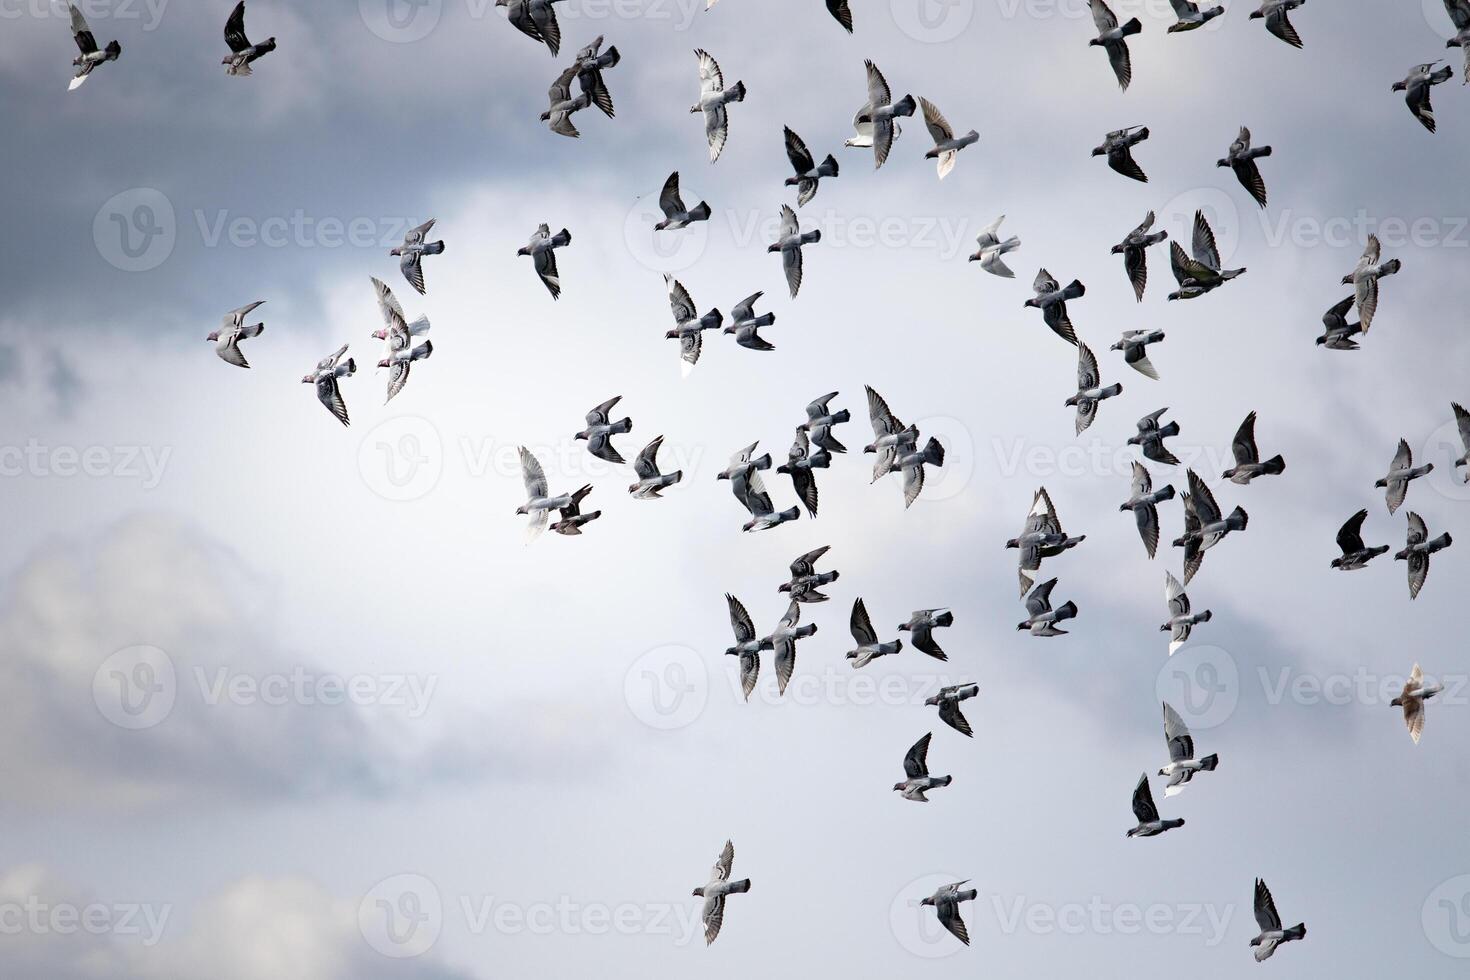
1089 392
536 19
328 370
542 250
1041 537
876 123
415 246
750 490
1151 436
591 61
651 483
714 893
1339 334
808 173
572 517
91 56
1112 38
1135 261
800 461
866 637
1051 299
948 701
713 98
242 52
992 248
1416 692
1144 502
1134 346
559 114
789 245
744 323
1042 619
947 146
1190 16
783 642
911 461
232 331
394 318
677 216
921 627
1364 280
600 430
688 325
1248 464
916 768
1149 824
1202 273
806 580
1203 525
1416 90
748 645
891 438
1181 621
1272 935
946 902
1118 147
1459 11
1355 554
1400 472
398 361
1274 13
1462 423
1241 158
538 502
843 14
1417 550
1182 763
820 421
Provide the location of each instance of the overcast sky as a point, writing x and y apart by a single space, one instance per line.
288 701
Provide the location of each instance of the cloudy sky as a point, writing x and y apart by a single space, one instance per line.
286 700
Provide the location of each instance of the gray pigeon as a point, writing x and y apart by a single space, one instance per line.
676 215
1051 299
806 580
891 438
947 146
542 250
868 646
1151 435
921 627
689 326
1355 554
572 518
744 324
1274 13
1144 501
1338 333
800 462
1203 524
399 334
946 902
1272 935
808 173
91 56
1042 619
1118 146
1202 273
1459 11
1149 824
1364 280
1041 537
1112 38
1181 621
713 99
399 359
558 115
789 245
911 461
1191 17
916 769
539 503
410 254
748 645
1089 390
1248 463
1241 158
745 481
820 421
1134 346
1462 424
876 123
948 701
591 62
328 370
1415 693
1400 472
536 19
651 483
1416 87
242 53
1182 763
601 428
1417 550
1135 261
783 642
991 248
232 331
714 893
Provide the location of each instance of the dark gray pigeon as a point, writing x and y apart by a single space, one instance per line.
1248 463
651 483
1182 763
947 146
1417 550
591 62
714 893
1051 299
542 250
328 370
1274 13
410 254
868 646
1338 333
1133 247
1416 88
558 115
1089 388
748 645
1355 554
91 56
1134 346
1042 619
1149 824
876 123
572 518
1112 38
1203 524
744 324
789 245
745 481
1151 435
800 462
921 627
242 53
1144 501
1041 537
820 420
1202 273
1462 424
1191 17
601 428
948 701
676 215
1364 280
234 329
1118 146
783 642
946 902
843 14
808 172
689 326
918 781
1272 935
536 19
1241 158
1400 472
911 461
713 100
806 581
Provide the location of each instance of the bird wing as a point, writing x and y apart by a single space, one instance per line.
806 564
1206 252
1142 482
1244 445
1039 601
1176 736
1103 17
878 91
1174 595
1277 24
1143 802
1087 372
330 394
840 10
860 625
669 200
711 79
235 29
81 32
916 762
950 714
532 475
599 415
798 154
1204 501
1265 908
740 623
1250 178
645 465
680 301
1044 283
1350 535
939 127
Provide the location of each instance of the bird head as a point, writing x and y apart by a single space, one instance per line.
1013 543
1399 86
793 181
1115 250
698 892
1023 626
309 379
898 787
1453 42
1163 629
1337 563
1321 340
580 435
1255 15
213 336
396 250
524 250
1094 42
1381 484
1222 163
774 247
1098 151
1033 301
523 509
784 587
385 362
671 335
1071 401
927 901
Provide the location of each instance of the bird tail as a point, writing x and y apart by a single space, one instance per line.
841 416
351 367
419 326
764 320
828 167
762 462
1390 267
1132 27
113 50
790 514
944 619
811 237
1067 611
269 44
1205 616
561 238
423 350
1172 429
1298 931
934 452
1209 762
433 248
701 212
945 781
609 58
905 106
1236 520
254 330
1074 289
1142 134
675 477
1010 244
738 92
742 886
712 320
623 425
966 896
581 494
1111 390
1165 494
1443 75
1273 465
1442 542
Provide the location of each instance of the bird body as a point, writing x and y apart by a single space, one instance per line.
1181 620
325 378
1416 87
714 97
1417 549
716 890
991 248
1416 692
1364 280
536 19
1248 462
806 580
808 172
1241 159
1191 17
918 780
1274 12
1200 273
1089 388
1401 471
1051 299
1182 763
1112 38
1271 935
1133 248
651 483
1041 537
868 645
1149 822
1118 146
89 54
946 902
921 626
601 428
1042 619
876 123
1144 501
232 330
948 701
411 254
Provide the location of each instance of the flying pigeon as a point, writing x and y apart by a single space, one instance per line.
91 56
1149 824
398 360
1203 525
1416 89
1151 435
1118 147
677 216
1112 38
748 645
1338 333
410 254
1462 423
1135 261
750 490
820 421
1182 763
394 318
1042 618
558 115
1459 11
992 248
328 370
1144 502
1355 554
232 331
916 768
1416 692
1272 935
572 517
542 250
783 642
1400 472
538 502
946 902
789 245
688 325
713 98
744 324
1417 551
868 646
1202 273
714 893
800 462
1248 464
876 123
947 146
1190 16
948 701
1041 537
1274 13
1089 390
1181 620
1134 346
808 173
1364 280
536 19
806 580
651 483
591 61
911 460
1051 299
600 430
1241 158
242 52
891 438
921 627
